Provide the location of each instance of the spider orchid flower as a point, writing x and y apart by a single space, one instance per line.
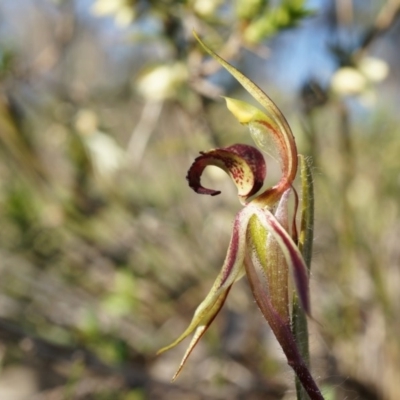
263 244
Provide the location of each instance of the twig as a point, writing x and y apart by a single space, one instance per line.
142 131
388 15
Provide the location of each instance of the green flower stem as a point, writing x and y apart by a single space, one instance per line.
299 319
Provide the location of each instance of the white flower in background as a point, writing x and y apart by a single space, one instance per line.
105 153
374 69
206 8
86 122
123 11
357 80
348 81
162 82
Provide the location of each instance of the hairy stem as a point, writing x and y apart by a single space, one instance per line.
299 318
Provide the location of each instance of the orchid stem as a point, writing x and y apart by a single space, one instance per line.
300 332
299 319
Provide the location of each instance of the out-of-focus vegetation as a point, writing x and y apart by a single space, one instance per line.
105 251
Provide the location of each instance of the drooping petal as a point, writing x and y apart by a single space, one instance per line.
231 271
202 328
202 318
243 163
279 325
289 250
282 332
272 121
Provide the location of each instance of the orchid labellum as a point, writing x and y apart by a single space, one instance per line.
264 246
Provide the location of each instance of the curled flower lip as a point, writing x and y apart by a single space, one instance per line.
245 165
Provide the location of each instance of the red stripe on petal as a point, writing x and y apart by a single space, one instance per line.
291 252
299 268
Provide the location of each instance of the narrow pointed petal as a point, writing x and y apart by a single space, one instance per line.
290 251
284 135
244 164
282 332
203 316
201 329
231 271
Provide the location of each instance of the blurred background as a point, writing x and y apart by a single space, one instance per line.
105 250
